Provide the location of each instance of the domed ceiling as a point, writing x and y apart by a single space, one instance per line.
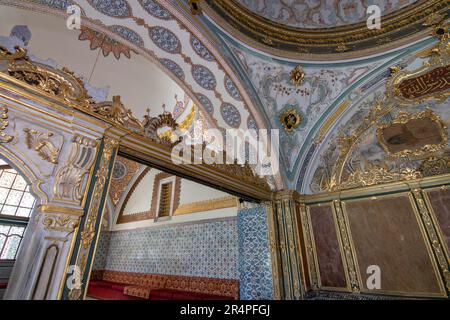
320 14
314 30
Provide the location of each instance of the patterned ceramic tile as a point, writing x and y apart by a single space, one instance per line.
101 255
255 271
206 249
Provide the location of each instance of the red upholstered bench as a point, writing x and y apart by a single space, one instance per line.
3 285
115 285
108 291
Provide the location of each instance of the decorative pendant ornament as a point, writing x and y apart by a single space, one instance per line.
290 119
297 76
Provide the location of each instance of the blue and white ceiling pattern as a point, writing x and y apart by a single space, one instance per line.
156 30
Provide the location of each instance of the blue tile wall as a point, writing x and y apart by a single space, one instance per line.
255 269
101 255
207 249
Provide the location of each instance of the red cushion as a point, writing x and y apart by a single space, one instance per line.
3 285
103 293
162 294
118 287
213 297
184 295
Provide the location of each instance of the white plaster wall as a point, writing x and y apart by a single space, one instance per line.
198 216
194 192
141 199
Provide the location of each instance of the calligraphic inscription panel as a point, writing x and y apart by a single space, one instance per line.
331 268
433 82
440 201
386 233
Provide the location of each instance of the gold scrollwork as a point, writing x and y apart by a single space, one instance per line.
430 82
64 223
5 55
69 179
41 143
116 112
435 166
403 118
62 83
347 142
377 175
4 138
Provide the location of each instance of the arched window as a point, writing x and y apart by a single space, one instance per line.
16 205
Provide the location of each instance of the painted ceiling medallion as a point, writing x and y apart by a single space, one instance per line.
119 171
231 89
201 50
155 9
107 44
173 67
207 104
127 34
165 39
290 119
116 8
413 135
297 76
295 27
59 4
204 77
231 115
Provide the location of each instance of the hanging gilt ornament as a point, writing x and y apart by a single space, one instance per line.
290 120
297 75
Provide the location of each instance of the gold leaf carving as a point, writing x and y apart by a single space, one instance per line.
4 138
69 179
40 142
297 75
377 175
116 112
405 118
63 223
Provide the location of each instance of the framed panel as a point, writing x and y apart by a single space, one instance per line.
387 232
327 248
438 202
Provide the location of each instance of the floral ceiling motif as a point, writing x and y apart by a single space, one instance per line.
320 88
320 14
156 29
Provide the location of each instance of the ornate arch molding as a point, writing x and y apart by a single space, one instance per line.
37 82
356 40
57 8
32 176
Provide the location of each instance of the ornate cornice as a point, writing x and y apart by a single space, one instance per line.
207 205
348 41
